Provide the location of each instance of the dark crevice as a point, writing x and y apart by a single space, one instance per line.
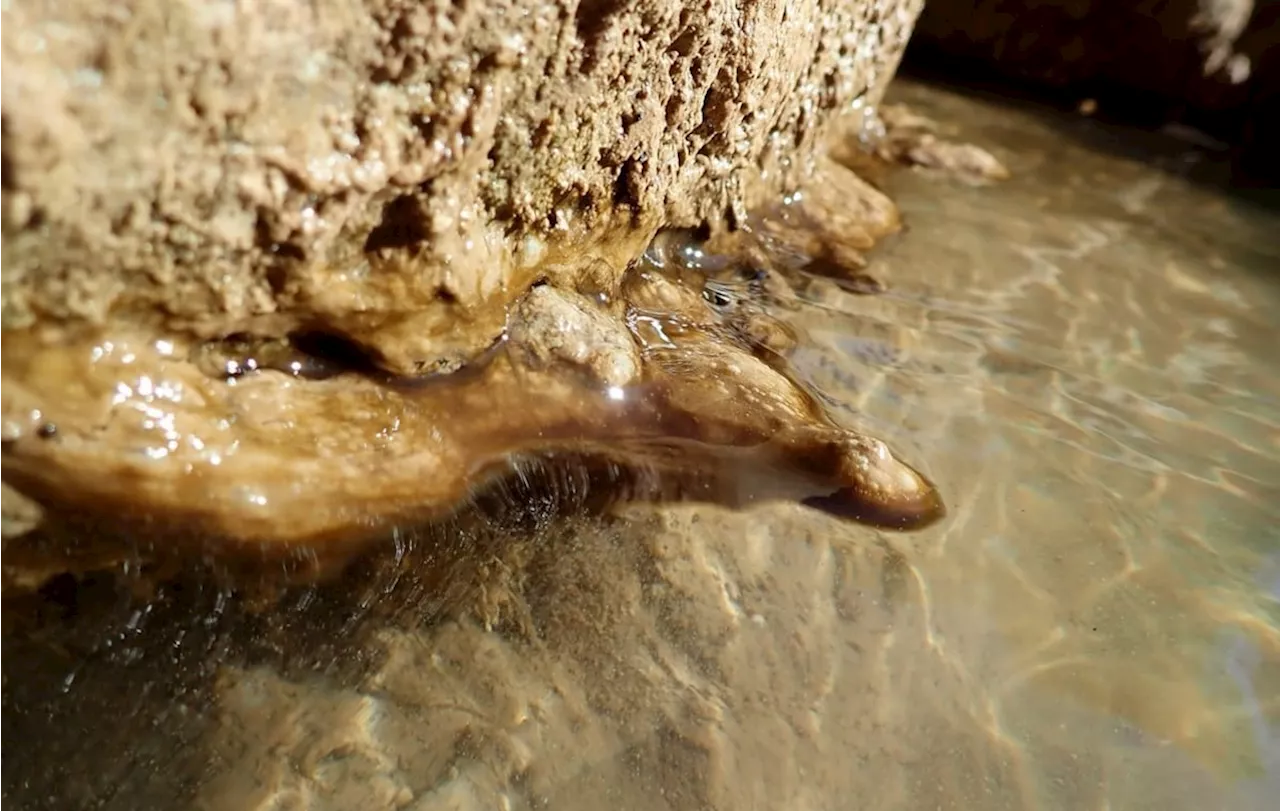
288 250
265 241
278 279
626 192
334 353
403 225
591 20
424 125
683 45
8 174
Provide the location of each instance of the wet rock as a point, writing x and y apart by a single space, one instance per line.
766 332
245 354
553 326
656 394
913 140
393 172
258 262
20 514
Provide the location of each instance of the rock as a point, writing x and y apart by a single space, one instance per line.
20 514
1212 64
259 262
912 140
254 452
393 171
557 326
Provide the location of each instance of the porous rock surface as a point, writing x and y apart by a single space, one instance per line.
395 171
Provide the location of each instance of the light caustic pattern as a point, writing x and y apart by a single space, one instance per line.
1087 354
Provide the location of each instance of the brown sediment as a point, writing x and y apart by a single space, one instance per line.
706 421
655 389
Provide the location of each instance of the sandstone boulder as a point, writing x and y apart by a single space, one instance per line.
393 171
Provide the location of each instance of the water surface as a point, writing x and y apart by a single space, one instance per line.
1088 363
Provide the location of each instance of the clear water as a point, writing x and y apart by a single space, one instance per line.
1091 370
1084 358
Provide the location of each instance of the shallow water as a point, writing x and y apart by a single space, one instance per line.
1090 372
1082 358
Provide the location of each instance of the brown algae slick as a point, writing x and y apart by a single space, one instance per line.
660 390
664 381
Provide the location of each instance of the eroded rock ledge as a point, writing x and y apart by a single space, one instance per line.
670 383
